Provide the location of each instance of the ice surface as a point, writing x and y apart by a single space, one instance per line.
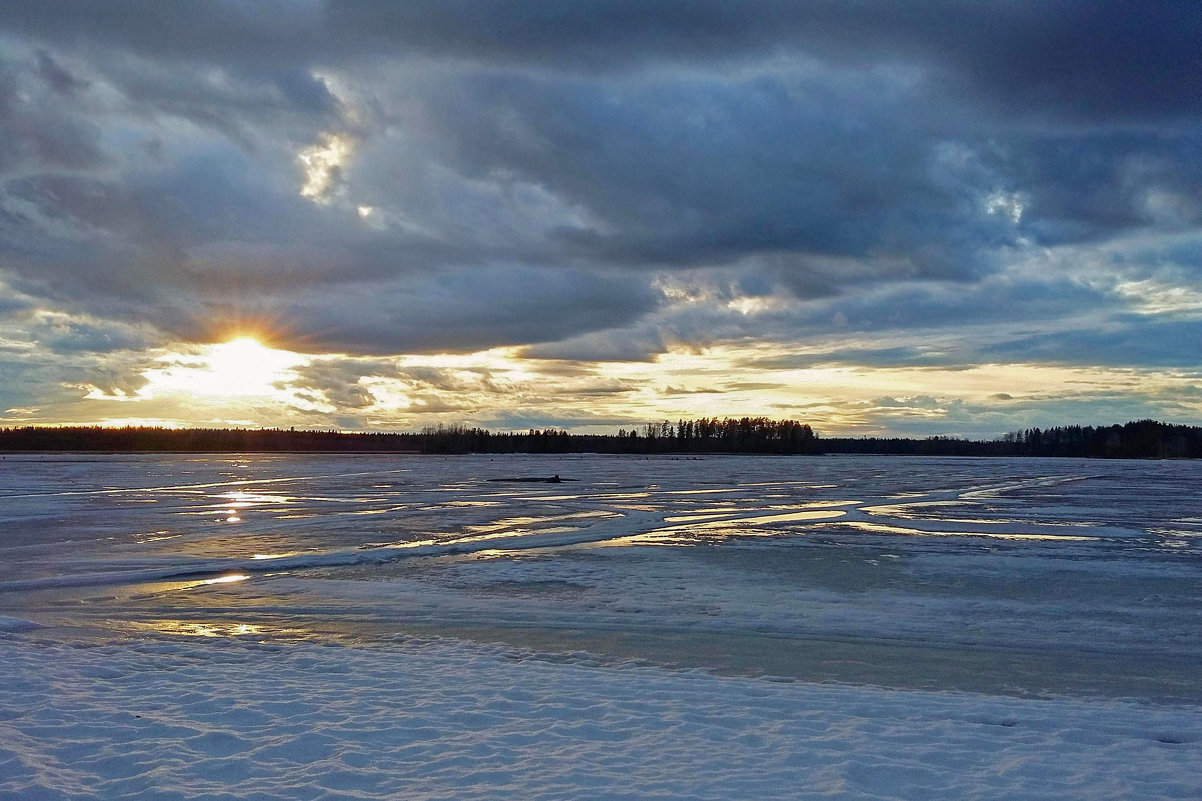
400 626
16 624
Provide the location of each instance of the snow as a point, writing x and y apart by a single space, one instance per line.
438 719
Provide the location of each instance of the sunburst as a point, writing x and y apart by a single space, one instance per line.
240 368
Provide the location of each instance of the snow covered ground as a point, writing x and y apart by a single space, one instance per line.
402 627
186 719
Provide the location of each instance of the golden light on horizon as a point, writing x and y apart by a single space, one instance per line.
243 382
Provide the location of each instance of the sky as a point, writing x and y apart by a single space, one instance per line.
878 217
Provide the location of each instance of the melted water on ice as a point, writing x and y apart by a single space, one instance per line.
1027 576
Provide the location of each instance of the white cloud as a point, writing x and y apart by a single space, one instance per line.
323 164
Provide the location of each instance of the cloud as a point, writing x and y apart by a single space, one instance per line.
1130 342
935 185
1101 58
467 310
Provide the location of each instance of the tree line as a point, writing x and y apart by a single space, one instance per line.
1137 439
743 435
707 435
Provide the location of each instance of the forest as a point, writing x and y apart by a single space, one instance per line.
1142 439
744 435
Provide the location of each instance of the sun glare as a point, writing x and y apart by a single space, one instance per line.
240 368
244 366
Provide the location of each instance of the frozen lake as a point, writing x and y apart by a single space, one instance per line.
989 592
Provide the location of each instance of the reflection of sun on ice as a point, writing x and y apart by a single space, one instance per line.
242 367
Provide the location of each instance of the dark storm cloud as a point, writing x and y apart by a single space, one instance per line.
1083 188
1073 56
57 77
890 311
465 310
705 169
636 344
13 303
37 129
62 335
908 307
519 173
1124 343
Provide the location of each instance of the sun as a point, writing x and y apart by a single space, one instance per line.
244 366
239 368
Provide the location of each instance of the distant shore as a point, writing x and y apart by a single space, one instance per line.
1146 439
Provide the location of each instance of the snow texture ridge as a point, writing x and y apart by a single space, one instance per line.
184 719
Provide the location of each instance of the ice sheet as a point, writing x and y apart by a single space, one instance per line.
333 626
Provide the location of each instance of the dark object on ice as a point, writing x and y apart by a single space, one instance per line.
555 479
